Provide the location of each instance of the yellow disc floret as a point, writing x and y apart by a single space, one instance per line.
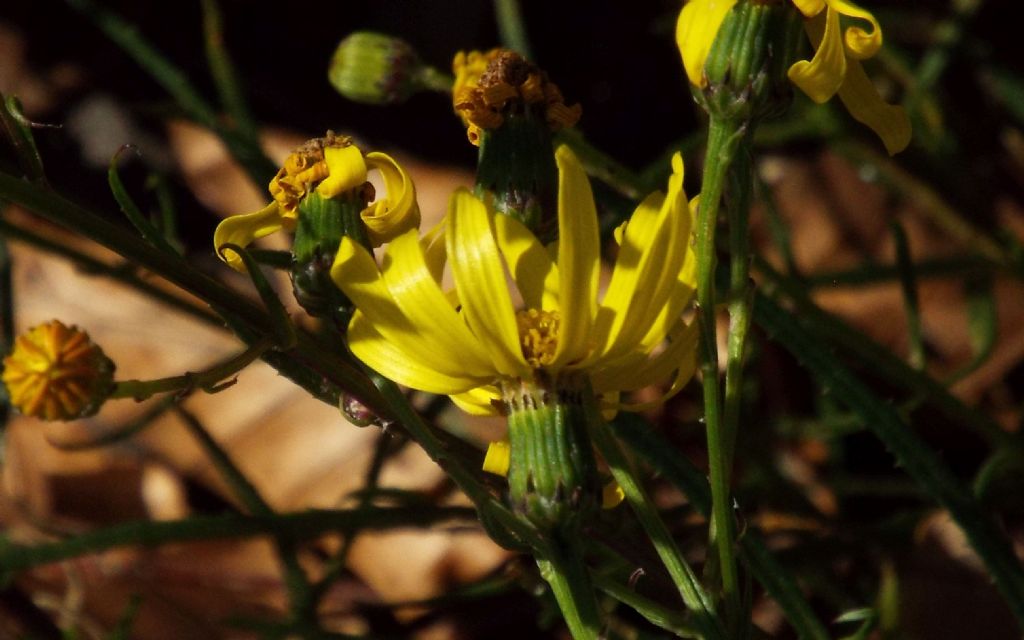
56 372
538 336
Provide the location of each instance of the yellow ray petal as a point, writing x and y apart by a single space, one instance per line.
356 274
821 76
479 401
696 30
480 280
860 43
346 170
425 306
683 289
498 458
861 98
579 255
533 270
397 211
242 230
611 314
680 356
388 359
809 8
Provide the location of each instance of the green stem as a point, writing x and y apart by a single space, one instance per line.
565 571
302 525
693 594
225 77
653 612
740 296
209 380
511 27
723 139
296 581
680 472
125 274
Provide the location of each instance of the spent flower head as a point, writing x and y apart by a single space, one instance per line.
331 168
56 372
490 86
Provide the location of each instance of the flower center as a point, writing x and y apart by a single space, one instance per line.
538 335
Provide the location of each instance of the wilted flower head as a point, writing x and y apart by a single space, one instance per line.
332 167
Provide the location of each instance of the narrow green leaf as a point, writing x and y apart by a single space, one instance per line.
909 451
284 330
911 300
19 132
982 324
130 209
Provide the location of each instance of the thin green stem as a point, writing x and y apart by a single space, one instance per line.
225 77
563 568
686 581
911 300
680 472
209 380
511 28
299 526
723 141
653 612
741 293
296 581
125 274
178 86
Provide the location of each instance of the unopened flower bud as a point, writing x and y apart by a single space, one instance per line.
374 68
56 372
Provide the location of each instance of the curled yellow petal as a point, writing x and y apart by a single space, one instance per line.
860 43
397 211
696 30
861 98
243 229
346 170
498 458
821 76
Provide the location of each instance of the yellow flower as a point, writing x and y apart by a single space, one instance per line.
487 83
834 69
331 166
56 373
474 340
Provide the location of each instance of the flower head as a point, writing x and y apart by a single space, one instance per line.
834 69
332 167
489 85
55 372
487 335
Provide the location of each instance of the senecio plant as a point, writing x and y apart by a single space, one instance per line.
502 308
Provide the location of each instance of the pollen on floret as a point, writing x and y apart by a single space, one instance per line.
538 335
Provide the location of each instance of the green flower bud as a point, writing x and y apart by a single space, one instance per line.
374 68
